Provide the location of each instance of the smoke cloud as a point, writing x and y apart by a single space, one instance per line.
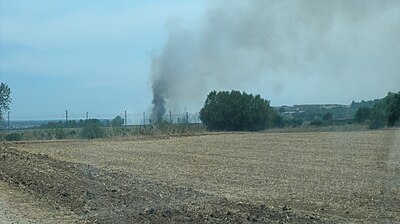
241 43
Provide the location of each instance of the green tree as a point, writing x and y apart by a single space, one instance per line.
236 111
117 121
278 121
328 116
386 111
92 129
14 137
362 114
378 118
5 99
393 110
295 122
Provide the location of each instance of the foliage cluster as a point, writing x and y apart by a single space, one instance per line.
117 122
92 129
386 112
14 137
236 111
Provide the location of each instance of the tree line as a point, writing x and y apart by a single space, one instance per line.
118 121
240 111
385 112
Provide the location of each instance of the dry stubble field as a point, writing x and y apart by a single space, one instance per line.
231 177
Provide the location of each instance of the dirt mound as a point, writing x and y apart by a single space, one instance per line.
103 196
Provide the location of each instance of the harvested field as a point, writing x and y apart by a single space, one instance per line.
242 177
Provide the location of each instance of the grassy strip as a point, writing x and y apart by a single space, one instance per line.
101 132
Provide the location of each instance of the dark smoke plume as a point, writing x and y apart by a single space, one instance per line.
158 106
242 42
159 90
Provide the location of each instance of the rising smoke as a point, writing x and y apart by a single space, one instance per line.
242 42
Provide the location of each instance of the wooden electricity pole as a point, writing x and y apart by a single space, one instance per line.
66 118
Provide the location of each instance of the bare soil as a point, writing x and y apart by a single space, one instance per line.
316 177
20 206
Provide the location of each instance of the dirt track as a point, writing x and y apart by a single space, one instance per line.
248 177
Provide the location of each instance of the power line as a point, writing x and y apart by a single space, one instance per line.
129 118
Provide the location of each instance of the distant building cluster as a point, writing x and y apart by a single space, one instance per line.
309 107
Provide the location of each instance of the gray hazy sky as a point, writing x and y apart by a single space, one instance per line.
96 56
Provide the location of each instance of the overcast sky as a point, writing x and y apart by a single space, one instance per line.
95 56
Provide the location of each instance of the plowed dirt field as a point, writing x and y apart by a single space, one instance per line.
316 177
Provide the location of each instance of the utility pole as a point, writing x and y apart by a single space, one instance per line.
126 122
144 118
66 118
87 115
8 121
187 117
170 117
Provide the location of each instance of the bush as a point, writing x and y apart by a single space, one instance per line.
317 122
59 133
278 121
91 131
296 122
117 122
376 124
328 116
385 113
362 114
393 109
14 137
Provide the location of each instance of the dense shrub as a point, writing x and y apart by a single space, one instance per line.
316 122
92 130
386 112
362 114
295 122
59 133
393 109
14 137
328 116
278 121
117 122
377 118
